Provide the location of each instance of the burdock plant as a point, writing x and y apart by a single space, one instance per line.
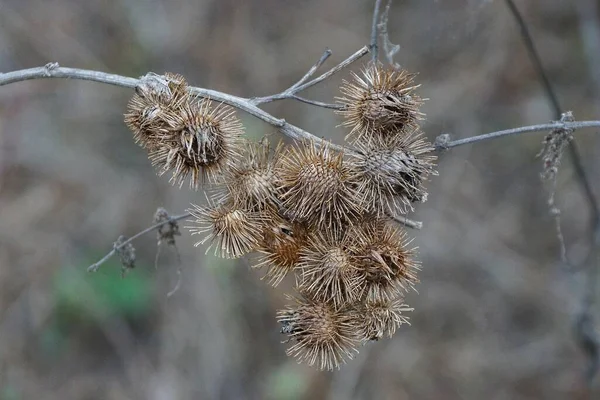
310 210
322 215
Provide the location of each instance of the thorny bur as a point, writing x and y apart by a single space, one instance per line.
310 212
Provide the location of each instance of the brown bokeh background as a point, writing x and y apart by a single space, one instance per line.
495 310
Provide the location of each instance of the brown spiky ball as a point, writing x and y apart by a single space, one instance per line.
381 102
328 270
322 335
391 172
200 142
155 97
233 231
252 182
383 253
381 318
281 244
317 185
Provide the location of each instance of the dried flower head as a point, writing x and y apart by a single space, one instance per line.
252 182
390 172
385 260
380 103
200 142
382 317
126 254
154 98
232 230
323 335
555 144
328 271
281 244
166 233
318 185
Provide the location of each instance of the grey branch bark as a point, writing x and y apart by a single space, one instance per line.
443 144
54 70
301 85
374 47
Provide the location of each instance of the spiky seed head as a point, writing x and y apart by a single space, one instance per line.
155 97
233 231
381 317
391 172
322 335
282 241
252 181
318 185
385 260
379 103
328 271
201 142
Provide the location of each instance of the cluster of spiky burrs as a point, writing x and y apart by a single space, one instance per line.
308 211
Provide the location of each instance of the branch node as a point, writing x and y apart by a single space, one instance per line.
152 83
51 66
441 142
168 230
554 145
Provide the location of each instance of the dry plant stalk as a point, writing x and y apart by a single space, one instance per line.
307 209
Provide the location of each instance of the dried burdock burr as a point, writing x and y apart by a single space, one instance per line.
385 259
201 142
318 185
321 335
391 172
381 317
232 230
381 102
154 98
281 244
252 181
328 270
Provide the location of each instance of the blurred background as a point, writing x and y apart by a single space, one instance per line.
495 310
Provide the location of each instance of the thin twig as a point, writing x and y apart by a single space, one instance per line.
517 131
319 103
407 222
326 54
94 267
389 48
52 70
357 55
291 91
374 31
535 57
